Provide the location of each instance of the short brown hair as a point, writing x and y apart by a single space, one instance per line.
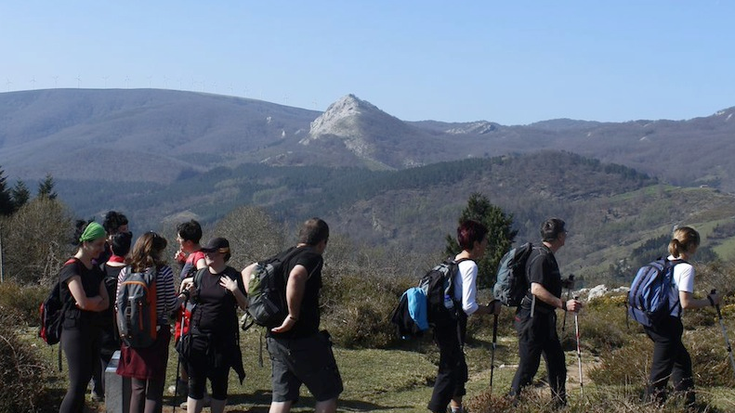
313 231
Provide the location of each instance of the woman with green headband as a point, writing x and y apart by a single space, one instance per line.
82 284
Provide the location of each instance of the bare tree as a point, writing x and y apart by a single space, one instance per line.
36 240
252 233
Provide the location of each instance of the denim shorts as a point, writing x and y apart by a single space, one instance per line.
309 361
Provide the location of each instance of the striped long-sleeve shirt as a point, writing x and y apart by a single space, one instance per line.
165 292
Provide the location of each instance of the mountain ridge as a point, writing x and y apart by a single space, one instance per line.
162 134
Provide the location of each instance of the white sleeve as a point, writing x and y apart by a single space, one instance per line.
468 277
684 277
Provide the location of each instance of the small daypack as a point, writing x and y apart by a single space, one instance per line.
267 291
428 304
409 316
135 308
648 298
511 282
51 313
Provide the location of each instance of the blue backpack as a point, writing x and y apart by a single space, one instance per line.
428 304
648 298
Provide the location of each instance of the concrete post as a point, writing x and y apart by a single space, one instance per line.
117 388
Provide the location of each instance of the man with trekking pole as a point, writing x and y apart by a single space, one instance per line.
535 318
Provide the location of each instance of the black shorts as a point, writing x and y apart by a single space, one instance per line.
308 361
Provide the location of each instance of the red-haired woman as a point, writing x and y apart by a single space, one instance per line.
450 335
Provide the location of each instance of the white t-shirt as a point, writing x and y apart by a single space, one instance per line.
683 281
465 286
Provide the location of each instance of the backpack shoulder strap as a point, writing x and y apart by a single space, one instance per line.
669 266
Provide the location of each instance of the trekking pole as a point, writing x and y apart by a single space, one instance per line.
724 334
579 350
178 363
492 356
569 292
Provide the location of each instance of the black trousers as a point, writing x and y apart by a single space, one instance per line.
81 346
670 359
206 360
452 374
536 337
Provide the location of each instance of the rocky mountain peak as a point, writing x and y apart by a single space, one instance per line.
342 115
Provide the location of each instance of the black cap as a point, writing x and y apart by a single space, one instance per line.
217 244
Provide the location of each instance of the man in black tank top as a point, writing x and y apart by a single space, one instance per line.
300 353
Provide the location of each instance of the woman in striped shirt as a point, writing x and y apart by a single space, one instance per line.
146 367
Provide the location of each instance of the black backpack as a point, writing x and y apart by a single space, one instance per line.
438 284
511 282
52 311
267 291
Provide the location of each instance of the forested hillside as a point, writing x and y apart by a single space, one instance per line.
612 210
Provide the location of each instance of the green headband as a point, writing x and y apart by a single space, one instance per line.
92 232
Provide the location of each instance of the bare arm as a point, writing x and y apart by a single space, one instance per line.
94 303
294 295
246 272
688 301
544 295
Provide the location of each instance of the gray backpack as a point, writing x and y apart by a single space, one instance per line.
135 308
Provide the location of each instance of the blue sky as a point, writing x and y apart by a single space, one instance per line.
511 62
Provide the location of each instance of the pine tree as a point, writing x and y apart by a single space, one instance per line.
46 188
6 202
20 194
500 236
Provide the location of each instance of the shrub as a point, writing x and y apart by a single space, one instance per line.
36 241
602 325
631 363
625 365
357 309
24 300
609 400
362 286
21 371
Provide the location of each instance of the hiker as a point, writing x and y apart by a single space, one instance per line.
110 339
188 235
450 335
300 353
212 344
82 281
191 259
535 319
146 367
114 223
670 357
